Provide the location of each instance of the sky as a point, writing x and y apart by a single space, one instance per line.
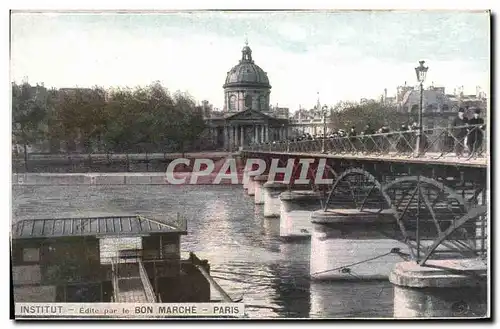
343 55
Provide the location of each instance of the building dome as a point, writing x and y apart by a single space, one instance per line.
247 73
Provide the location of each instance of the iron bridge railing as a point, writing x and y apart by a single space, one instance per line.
464 141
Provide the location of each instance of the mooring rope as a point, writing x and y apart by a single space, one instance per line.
243 274
345 267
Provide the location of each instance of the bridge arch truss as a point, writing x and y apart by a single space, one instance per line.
434 220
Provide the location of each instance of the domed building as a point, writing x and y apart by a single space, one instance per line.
247 117
247 86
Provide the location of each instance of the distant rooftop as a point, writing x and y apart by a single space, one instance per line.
114 226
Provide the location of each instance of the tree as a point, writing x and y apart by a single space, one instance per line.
346 115
144 119
29 113
188 121
79 114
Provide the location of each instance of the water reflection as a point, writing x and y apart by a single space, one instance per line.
351 299
292 280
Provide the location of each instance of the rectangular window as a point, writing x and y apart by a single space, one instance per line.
31 255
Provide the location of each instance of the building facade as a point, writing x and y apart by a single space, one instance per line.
309 122
247 116
439 108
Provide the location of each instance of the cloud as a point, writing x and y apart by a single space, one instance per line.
292 32
193 53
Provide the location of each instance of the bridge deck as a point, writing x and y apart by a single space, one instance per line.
428 158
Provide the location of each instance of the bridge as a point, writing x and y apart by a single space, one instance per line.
411 208
438 199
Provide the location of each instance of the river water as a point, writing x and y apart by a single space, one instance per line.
246 256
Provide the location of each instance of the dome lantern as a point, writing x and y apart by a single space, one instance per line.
246 54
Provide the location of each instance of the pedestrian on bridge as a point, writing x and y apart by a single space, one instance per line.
403 139
369 142
352 132
460 131
383 140
475 136
368 130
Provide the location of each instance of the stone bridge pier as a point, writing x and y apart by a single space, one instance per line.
421 221
295 213
272 203
441 288
349 244
245 178
259 182
251 183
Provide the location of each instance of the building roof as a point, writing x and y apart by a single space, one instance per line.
430 96
114 226
247 73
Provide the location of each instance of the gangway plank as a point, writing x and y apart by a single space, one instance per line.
131 283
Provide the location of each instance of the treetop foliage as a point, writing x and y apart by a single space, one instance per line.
141 119
348 114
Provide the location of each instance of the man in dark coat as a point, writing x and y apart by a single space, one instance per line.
475 137
368 130
352 132
369 142
459 131
403 139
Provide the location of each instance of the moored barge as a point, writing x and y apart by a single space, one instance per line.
59 260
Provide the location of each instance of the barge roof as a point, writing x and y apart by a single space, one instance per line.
109 226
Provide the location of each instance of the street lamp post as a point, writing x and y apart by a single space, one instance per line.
421 72
324 109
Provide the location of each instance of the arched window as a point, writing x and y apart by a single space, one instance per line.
232 103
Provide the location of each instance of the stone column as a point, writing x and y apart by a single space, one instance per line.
241 101
226 137
242 135
267 133
262 136
255 133
231 138
237 135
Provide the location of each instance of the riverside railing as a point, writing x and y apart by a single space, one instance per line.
465 141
